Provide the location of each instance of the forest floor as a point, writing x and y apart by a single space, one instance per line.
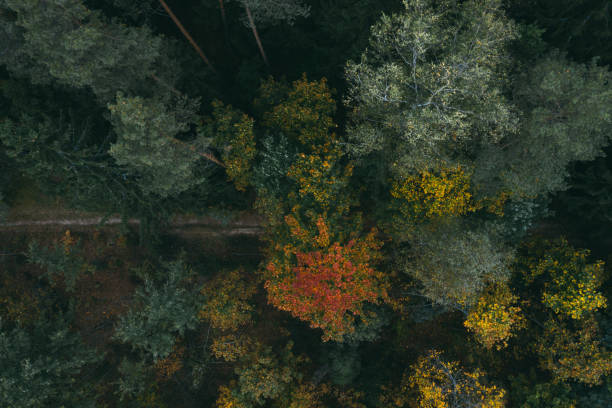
212 244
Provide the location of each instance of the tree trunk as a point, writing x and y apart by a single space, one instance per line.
186 34
223 14
225 27
252 23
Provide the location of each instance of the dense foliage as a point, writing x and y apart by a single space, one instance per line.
305 203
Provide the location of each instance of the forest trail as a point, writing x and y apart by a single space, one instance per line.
32 210
247 224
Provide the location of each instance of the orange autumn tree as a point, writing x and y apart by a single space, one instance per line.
320 267
328 286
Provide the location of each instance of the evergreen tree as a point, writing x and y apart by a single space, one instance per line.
67 42
161 312
63 259
45 365
146 144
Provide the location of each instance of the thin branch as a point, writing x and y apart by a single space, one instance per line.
186 34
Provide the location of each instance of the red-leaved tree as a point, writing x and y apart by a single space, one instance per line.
328 287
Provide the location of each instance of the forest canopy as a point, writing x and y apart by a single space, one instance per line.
305 203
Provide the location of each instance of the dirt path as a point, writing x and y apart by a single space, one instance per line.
66 222
247 224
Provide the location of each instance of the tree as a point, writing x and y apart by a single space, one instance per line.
320 180
263 375
565 287
321 267
569 283
63 259
136 385
454 264
227 305
567 117
426 93
299 150
304 396
517 218
303 113
59 140
530 393
65 41
495 318
433 92
231 131
442 384
574 353
160 313
231 347
146 143
300 168
578 26
329 286
45 365
431 195
52 146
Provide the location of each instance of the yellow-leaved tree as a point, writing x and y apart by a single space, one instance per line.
496 317
227 300
574 354
566 284
429 194
442 384
570 283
